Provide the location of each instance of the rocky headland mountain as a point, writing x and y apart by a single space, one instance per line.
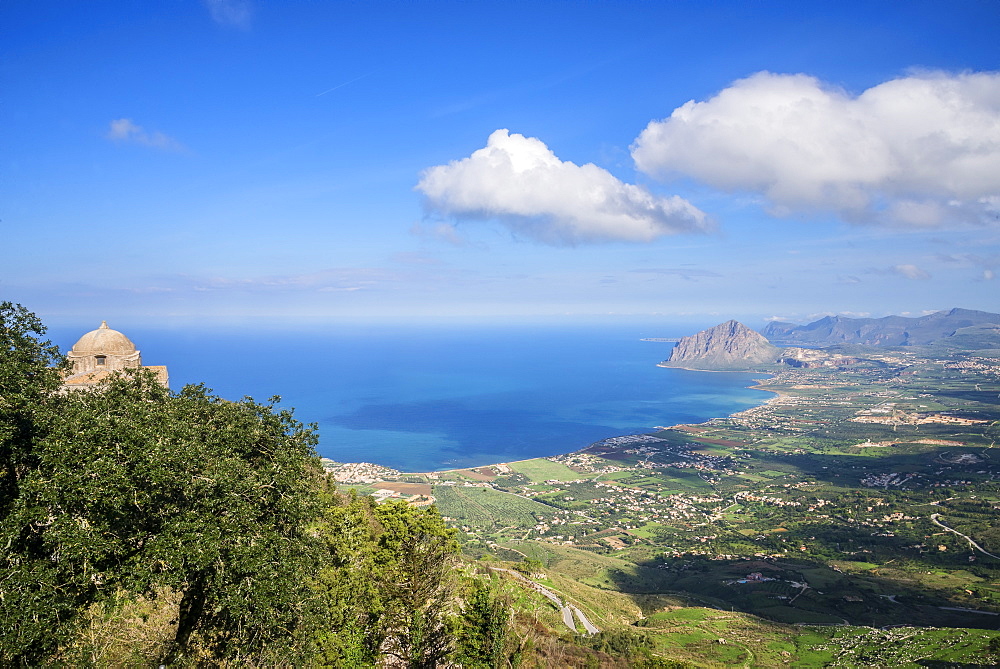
728 346
887 331
732 346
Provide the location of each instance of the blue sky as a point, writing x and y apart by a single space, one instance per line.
236 162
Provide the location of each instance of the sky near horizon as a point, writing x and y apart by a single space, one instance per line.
245 162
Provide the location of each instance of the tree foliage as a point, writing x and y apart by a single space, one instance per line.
484 630
29 378
388 583
132 498
133 488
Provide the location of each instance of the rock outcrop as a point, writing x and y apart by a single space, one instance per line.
729 346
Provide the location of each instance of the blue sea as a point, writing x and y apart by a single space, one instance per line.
429 398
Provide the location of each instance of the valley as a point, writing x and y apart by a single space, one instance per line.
861 500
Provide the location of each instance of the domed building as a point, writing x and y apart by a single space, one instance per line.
101 352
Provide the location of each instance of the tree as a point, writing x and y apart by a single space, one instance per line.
30 617
388 583
529 566
351 599
419 553
29 377
132 488
483 633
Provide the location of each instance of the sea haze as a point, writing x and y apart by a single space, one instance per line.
431 398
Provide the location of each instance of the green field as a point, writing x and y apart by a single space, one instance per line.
539 470
486 508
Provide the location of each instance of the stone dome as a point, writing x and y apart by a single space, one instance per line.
104 341
102 352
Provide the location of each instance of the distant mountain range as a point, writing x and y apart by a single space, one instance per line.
734 346
887 331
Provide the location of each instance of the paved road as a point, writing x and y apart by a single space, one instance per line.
804 586
587 625
934 519
567 610
965 610
567 614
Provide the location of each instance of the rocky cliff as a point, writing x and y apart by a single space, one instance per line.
730 345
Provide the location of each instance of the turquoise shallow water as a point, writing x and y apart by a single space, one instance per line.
425 398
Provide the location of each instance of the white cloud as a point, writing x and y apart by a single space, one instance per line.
910 271
519 181
688 274
124 130
921 150
231 13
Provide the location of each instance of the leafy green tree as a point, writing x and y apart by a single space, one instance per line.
29 378
30 617
351 600
622 642
388 584
420 553
132 488
29 363
484 630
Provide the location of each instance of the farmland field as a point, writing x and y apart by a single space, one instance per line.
487 508
541 469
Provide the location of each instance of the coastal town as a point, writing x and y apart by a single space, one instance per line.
840 469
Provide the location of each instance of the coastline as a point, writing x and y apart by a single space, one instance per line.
381 473
778 395
711 371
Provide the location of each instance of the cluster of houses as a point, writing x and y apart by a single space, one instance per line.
364 473
895 479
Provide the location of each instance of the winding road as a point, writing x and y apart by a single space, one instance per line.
934 519
567 610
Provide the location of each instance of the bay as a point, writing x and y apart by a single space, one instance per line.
424 398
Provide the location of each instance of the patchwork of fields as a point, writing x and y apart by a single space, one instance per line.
727 543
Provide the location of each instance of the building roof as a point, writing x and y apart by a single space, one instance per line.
103 341
92 378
